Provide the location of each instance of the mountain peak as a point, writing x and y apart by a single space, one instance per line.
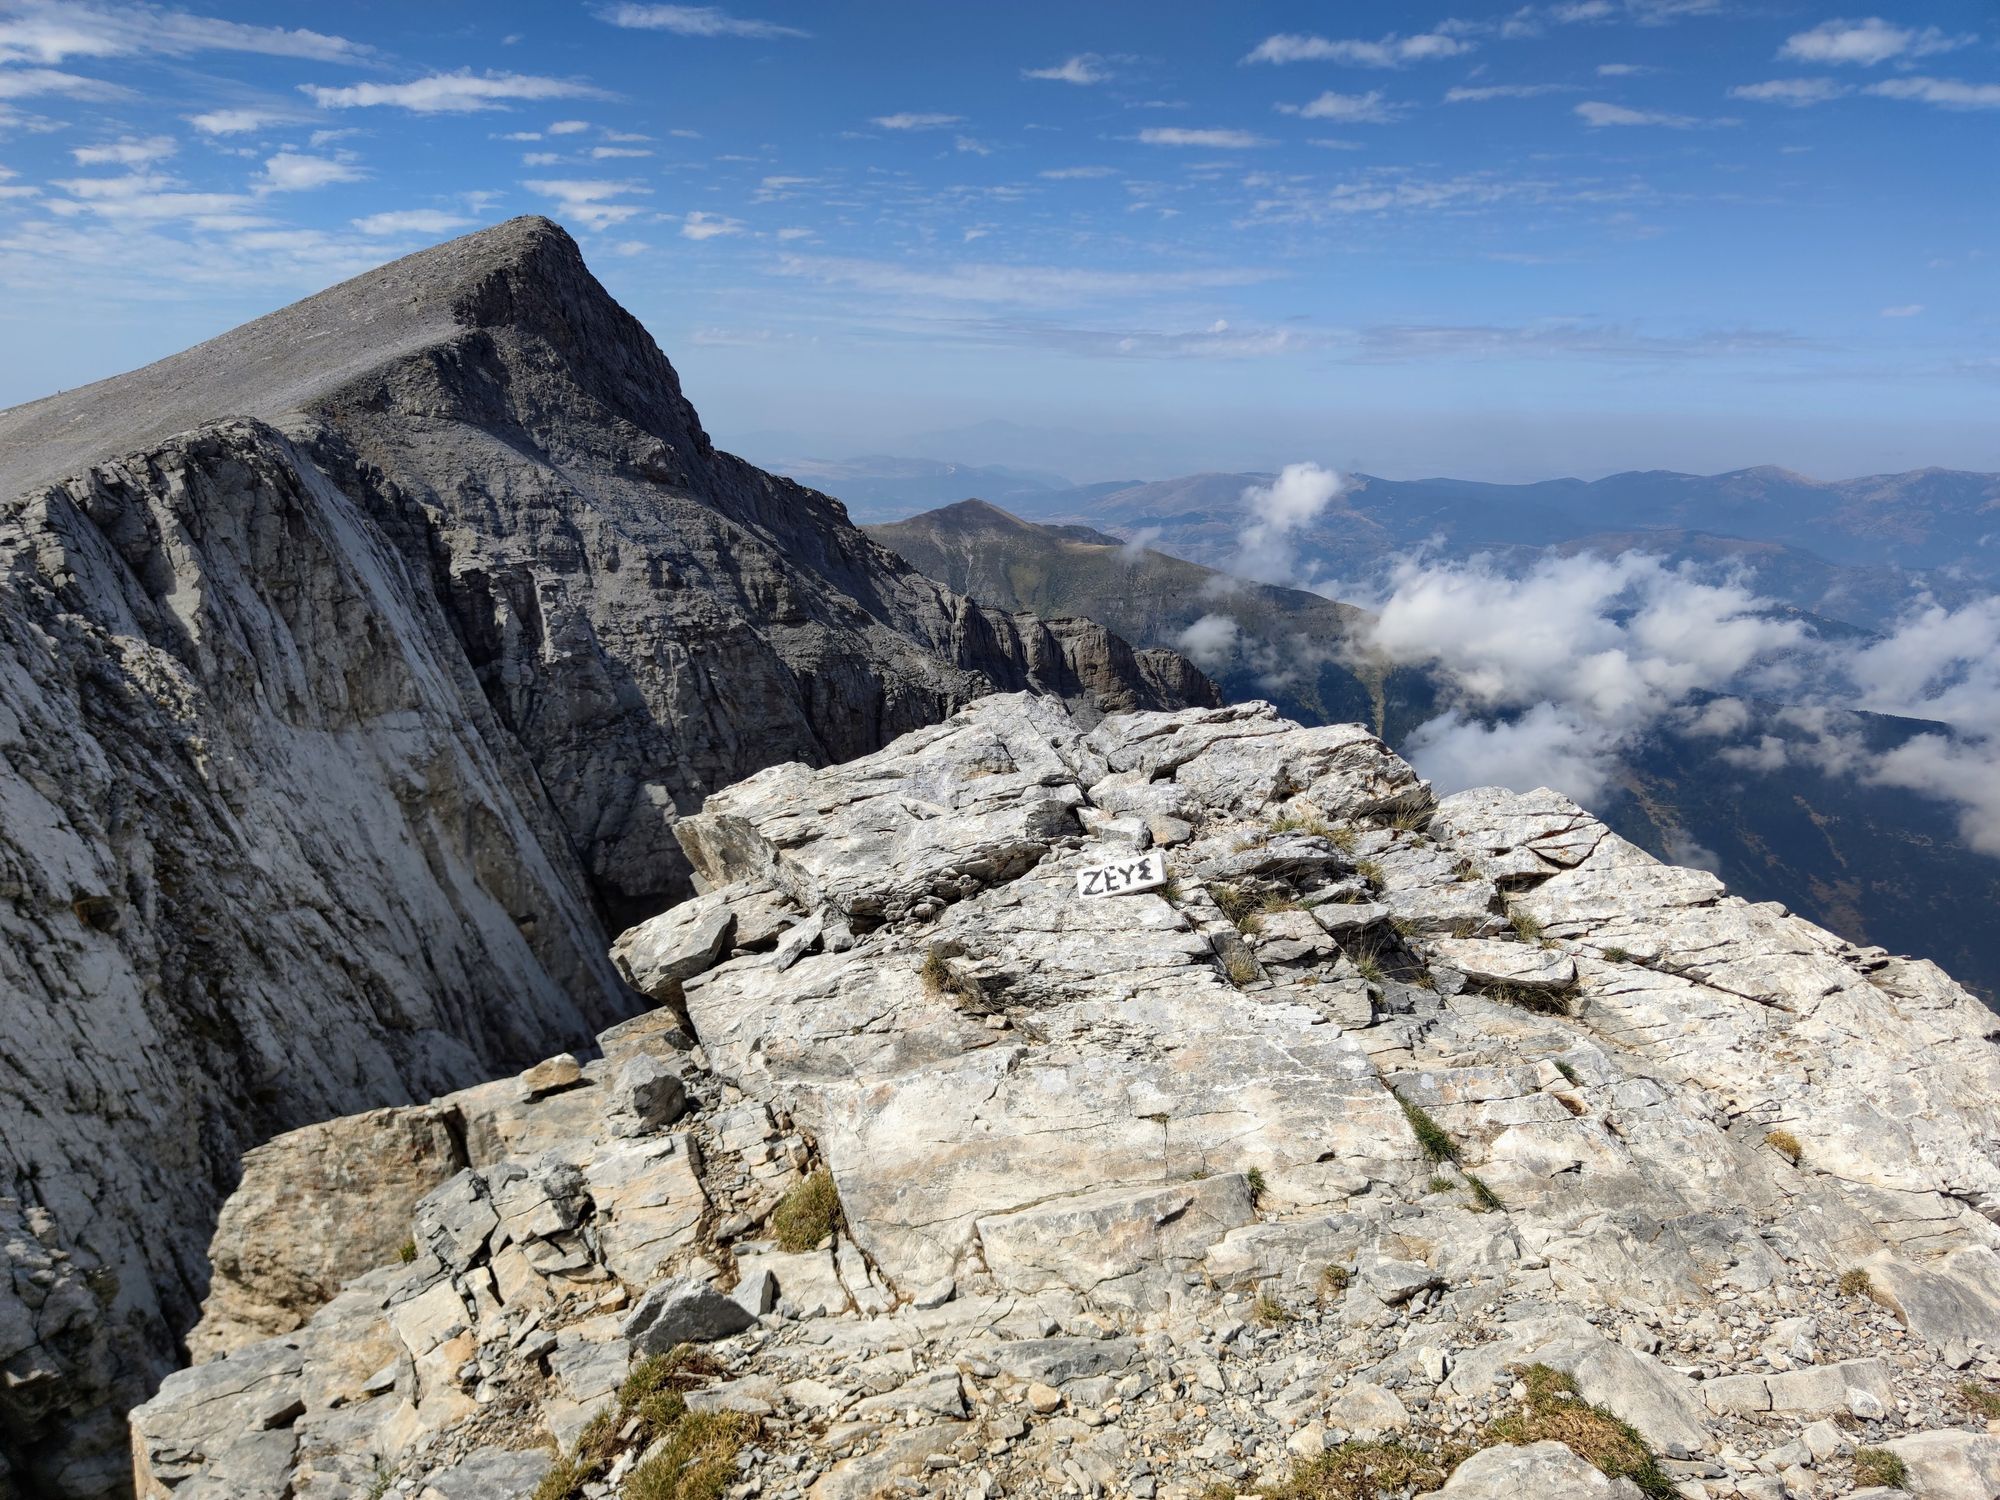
525 276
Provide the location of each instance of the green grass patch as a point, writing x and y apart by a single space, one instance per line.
1880 1466
651 1406
1555 1412
807 1214
1431 1138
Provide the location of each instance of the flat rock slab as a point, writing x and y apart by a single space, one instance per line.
1492 961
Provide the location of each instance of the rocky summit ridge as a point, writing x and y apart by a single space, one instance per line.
1457 1143
354 668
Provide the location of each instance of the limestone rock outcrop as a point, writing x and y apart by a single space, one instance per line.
354 669
1378 1114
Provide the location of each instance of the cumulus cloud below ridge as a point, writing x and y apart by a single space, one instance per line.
1556 673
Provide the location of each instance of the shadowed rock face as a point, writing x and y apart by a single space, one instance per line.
354 668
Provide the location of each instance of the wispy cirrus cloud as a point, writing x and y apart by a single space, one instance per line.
234 121
1084 68
1598 115
1481 94
914 120
1389 52
30 83
1212 140
49 31
128 152
591 202
694 20
1867 43
294 172
1371 108
410 221
1004 283
700 225
1943 93
462 92
1799 93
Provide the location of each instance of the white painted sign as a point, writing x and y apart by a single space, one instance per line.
1139 872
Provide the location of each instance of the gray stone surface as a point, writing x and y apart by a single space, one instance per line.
353 666
685 1310
1189 1226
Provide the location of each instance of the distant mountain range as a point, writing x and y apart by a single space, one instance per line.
1855 550
1876 863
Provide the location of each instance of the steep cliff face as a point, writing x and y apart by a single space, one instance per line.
353 668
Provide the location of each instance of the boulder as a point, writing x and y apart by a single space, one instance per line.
1539 1471
684 1310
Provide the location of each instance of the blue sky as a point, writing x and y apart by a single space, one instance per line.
1495 241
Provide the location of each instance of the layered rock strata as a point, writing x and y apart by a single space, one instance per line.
1379 1103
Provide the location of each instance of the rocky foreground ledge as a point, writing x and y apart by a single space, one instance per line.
1392 1146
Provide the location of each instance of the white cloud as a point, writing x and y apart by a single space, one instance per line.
1621 70
1945 93
1548 745
971 146
1574 658
1505 91
292 172
231 121
1210 642
1084 68
794 232
1351 109
1866 43
29 83
1596 114
1797 92
589 201
617 153
1077 174
1278 510
1903 310
126 153
706 226
1008 283
540 158
1213 140
48 31
1390 52
909 121
141 197
694 20
569 127
411 221
452 93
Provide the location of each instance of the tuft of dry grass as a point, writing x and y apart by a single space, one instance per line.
699 1459
1333 1280
1241 967
698 1462
1269 1311
1785 1144
1526 928
1880 1466
1980 1398
1362 1471
1554 1411
807 1214
1855 1283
